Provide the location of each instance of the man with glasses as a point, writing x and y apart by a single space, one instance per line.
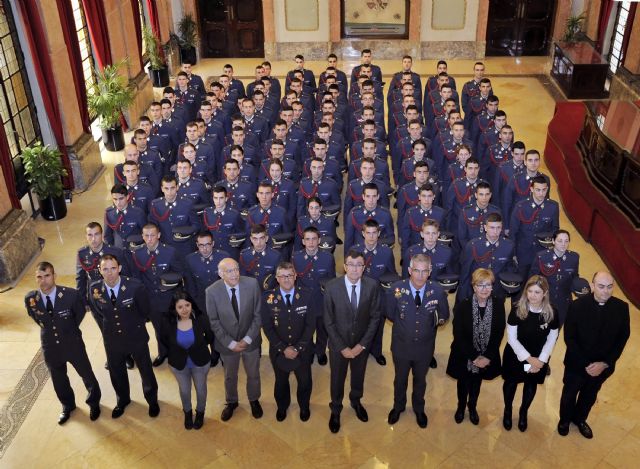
416 306
352 310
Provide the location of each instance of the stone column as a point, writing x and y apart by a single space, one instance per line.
270 49
481 30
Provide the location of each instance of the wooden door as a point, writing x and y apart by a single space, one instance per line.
231 28
520 27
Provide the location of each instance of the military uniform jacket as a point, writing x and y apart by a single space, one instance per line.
289 326
440 257
471 222
123 325
242 194
528 219
147 175
326 226
60 333
353 196
517 189
378 261
88 267
168 215
559 272
479 252
355 221
140 196
310 269
148 266
274 218
414 329
195 190
222 224
409 196
260 265
460 193
326 190
120 225
411 225
201 272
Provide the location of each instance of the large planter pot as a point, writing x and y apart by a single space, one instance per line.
160 78
53 208
113 138
188 55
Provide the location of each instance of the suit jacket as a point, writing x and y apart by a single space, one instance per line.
223 321
198 352
343 327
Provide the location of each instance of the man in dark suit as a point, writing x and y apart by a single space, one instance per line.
417 306
288 319
59 311
352 312
122 304
596 331
233 307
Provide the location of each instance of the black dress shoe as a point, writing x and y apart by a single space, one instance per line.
334 423
361 412
507 423
434 363
129 362
394 416
214 361
474 418
305 414
381 360
154 410
421 419
256 409
563 428
459 415
118 410
522 423
281 414
322 359
227 412
64 415
94 413
584 429
159 360
198 421
188 420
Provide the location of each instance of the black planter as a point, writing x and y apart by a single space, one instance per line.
113 138
188 55
53 208
160 78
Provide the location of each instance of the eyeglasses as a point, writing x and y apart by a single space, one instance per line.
355 266
484 286
231 271
286 276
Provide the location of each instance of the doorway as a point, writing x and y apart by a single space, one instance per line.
520 27
231 28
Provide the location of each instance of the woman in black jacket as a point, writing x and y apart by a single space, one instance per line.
478 327
187 335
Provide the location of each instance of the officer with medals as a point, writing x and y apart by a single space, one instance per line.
122 220
288 319
259 260
223 222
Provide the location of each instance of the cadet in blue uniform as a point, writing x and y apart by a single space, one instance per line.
123 305
490 251
531 216
317 186
222 221
241 194
312 266
370 209
273 217
59 311
472 216
148 264
122 220
288 319
471 89
139 193
284 190
187 98
506 171
259 261
314 217
353 196
560 267
411 226
190 187
408 196
461 193
146 173
439 253
416 306
445 148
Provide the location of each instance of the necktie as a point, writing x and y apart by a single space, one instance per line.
288 299
418 301
234 304
113 296
49 305
354 299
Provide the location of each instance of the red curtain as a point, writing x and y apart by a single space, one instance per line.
39 49
98 30
153 17
73 49
603 20
136 22
7 169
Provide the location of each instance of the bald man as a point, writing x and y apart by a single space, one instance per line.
233 307
596 331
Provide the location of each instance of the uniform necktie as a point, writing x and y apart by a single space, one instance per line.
354 299
418 300
234 304
288 299
49 305
113 296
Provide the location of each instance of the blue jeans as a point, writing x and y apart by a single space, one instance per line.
199 376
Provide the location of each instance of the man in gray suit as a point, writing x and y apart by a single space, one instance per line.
233 306
352 311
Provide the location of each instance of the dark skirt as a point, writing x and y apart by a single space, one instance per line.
513 369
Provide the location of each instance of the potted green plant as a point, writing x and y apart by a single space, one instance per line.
188 35
573 28
107 98
44 171
158 71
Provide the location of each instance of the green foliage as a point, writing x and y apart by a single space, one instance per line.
187 31
43 169
573 27
110 95
152 43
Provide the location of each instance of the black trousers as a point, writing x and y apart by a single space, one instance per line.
419 369
320 346
282 389
579 393
116 356
60 379
469 390
339 367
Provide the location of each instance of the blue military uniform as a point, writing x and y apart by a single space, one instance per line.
242 194
441 259
409 196
518 188
189 100
147 175
221 225
119 225
495 155
195 190
355 189
200 272
260 265
471 223
381 170
325 225
169 215
326 190
140 196
505 172
356 218
411 226
274 218
461 193
444 152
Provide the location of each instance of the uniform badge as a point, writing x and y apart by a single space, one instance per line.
297 296
96 294
32 303
270 299
60 295
123 287
401 315
397 293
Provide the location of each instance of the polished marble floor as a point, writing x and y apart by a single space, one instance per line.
139 441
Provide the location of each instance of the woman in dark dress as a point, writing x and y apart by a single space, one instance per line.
187 335
532 331
478 327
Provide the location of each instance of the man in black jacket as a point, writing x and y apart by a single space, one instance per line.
595 331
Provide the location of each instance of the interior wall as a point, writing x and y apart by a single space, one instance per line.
467 33
321 34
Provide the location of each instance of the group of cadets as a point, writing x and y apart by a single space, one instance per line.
258 174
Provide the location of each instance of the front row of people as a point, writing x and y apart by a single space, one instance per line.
596 331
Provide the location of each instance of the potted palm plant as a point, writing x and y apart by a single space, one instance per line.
188 36
573 28
107 98
44 171
158 71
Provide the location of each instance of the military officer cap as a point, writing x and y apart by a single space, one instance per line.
510 281
580 287
280 239
183 233
170 280
389 278
331 210
286 364
445 237
545 239
327 243
388 241
449 282
199 208
237 239
135 241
